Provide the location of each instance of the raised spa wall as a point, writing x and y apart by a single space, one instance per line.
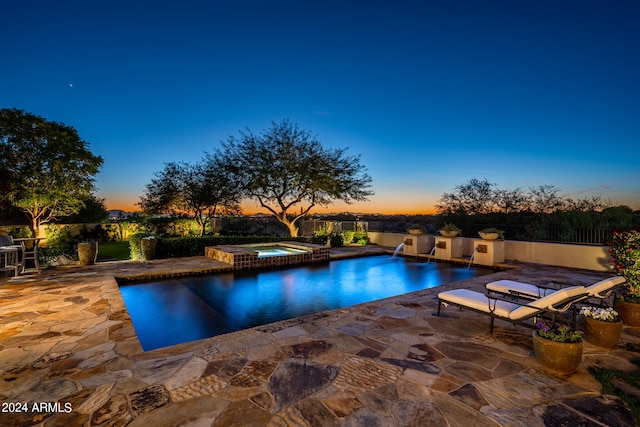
243 257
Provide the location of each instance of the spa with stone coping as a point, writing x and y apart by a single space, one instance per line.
244 257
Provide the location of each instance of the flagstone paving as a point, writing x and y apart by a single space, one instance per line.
69 356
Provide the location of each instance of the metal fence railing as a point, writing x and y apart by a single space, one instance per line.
550 234
526 232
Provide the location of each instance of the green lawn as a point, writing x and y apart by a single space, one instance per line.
113 251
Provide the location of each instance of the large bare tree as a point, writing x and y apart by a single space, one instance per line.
200 190
288 172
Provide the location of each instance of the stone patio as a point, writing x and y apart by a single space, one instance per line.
68 346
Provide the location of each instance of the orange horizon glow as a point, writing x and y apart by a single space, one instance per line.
250 208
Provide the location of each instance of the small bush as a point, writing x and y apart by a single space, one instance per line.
321 237
336 241
360 235
176 247
57 254
319 240
135 248
348 236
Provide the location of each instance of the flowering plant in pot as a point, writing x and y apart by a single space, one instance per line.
558 349
625 256
449 230
562 333
602 326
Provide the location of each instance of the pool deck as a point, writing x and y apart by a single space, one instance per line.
67 341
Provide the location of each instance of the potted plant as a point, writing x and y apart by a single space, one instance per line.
491 233
416 229
602 326
87 252
449 230
148 246
558 349
625 256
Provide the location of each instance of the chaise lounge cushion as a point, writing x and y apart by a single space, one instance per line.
602 288
507 310
478 301
510 287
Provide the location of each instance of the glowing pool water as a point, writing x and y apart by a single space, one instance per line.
186 309
267 251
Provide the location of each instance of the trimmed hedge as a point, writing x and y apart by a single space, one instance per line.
177 247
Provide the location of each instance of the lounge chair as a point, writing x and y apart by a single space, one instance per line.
556 302
601 290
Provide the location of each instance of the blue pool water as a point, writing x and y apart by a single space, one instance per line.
184 309
269 251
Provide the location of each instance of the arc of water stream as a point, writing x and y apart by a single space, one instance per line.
398 249
473 255
431 254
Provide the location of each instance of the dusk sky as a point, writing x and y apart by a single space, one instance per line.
430 93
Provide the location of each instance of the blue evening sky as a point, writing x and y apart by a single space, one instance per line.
429 93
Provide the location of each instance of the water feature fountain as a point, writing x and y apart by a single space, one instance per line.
431 254
473 255
488 252
398 249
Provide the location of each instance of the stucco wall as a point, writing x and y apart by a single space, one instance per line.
563 255
577 256
386 239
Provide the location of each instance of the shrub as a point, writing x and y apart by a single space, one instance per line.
58 234
57 254
348 236
336 241
135 247
176 247
321 237
360 235
625 256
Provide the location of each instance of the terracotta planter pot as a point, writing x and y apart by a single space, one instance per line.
602 334
629 312
449 233
87 252
557 358
414 231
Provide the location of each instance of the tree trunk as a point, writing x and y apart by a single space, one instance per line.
293 230
291 225
35 229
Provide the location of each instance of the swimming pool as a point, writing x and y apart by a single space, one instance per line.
184 309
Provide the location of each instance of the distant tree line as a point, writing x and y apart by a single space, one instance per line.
530 213
284 169
478 197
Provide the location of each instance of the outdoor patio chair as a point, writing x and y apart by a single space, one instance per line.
556 302
600 290
11 254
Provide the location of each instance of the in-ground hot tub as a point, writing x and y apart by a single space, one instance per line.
262 255
277 250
